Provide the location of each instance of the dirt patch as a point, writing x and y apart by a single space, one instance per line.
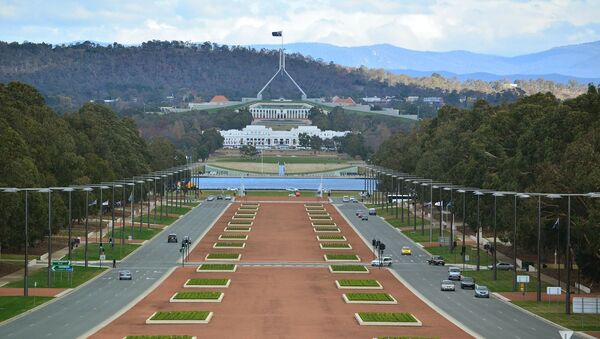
38 292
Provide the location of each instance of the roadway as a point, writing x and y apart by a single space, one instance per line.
78 312
489 318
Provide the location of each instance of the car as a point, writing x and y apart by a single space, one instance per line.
467 282
372 211
406 250
172 237
364 217
447 285
219 197
503 266
353 199
358 212
228 197
346 198
383 261
453 273
210 198
436 260
125 275
481 291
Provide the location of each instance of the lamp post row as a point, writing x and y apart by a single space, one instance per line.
373 185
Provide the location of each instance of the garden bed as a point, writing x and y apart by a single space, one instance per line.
233 237
383 318
331 238
217 268
317 209
313 204
348 269
317 214
358 284
223 256
341 257
323 223
207 283
237 229
240 223
335 246
247 210
368 298
326 229
242 205
197 297
180 317
229 245
319 217
237 218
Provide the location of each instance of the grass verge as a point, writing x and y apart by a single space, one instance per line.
11 306
555 312
117 252
59 279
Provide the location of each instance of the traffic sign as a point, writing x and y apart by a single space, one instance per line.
61 262
62 268
523 278
102 257
565 334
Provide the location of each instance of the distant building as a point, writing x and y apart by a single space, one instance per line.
219 100
412 98
280 111
372 100
265 137
433 100
343 101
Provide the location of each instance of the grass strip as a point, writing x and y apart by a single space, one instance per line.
335 245
237 228
341 256
93 252
11 306
326 229
369 297
181 315
208 281
59 279
387 317
210 295
348 268
223 256
331 237
359 282
555 312
216 267
229 244
233 236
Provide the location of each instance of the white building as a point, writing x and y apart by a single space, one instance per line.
265 137
280 111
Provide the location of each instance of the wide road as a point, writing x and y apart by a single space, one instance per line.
76 313
489 318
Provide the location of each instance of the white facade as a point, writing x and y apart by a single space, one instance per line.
265 137
280 111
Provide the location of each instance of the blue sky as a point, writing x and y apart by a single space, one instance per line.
505 27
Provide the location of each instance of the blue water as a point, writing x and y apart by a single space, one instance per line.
277 183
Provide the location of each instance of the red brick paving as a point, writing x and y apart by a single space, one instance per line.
281 302
38 292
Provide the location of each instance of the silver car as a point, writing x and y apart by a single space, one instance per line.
125 275
447 285
481 291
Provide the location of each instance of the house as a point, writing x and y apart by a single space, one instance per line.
412 98
343 101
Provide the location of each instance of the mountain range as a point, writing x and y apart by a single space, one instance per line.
579 62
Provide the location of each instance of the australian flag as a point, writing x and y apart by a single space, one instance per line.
278 33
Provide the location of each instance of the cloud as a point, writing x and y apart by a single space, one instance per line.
493 26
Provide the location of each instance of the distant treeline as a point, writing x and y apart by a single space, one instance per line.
537 144
149 73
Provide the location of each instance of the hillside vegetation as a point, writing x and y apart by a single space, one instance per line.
537 144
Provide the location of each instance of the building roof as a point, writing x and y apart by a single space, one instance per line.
219 98
346 101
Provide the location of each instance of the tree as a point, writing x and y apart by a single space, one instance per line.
304 140
316 142
248 151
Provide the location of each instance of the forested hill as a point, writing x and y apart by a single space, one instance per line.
71 75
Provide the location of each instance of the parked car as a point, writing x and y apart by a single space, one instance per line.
481 291
172 237
503 266
346 198
453 273
467 282
406 250
125 275
210 198
364 217
447 285
383 261
436 260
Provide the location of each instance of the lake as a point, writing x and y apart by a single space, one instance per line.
280 183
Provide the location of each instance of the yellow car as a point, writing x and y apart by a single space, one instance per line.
406 250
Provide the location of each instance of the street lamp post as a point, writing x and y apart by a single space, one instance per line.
478 194
495 274
49 191
463 250
87 197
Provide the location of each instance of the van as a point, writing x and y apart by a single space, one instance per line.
372 211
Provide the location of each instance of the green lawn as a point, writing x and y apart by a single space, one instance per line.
208 281
555 312
173 210
7 256
223 256
455 258
335 245
164 220
386 317
118 252
12 306
359 282
369 297
144 233
418 237
181 315
59 279
341 256
504 282
286 159
348 268
198 295
215 267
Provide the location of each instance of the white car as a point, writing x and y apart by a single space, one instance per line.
210 198
384 261
453 273
346 198
125 275
228 197
447 285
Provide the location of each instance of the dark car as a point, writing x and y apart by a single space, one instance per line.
172 237
436 260
219 197
467 282
365 217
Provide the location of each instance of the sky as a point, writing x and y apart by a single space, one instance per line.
503 27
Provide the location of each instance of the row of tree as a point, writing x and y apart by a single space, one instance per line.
537 144
41 148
